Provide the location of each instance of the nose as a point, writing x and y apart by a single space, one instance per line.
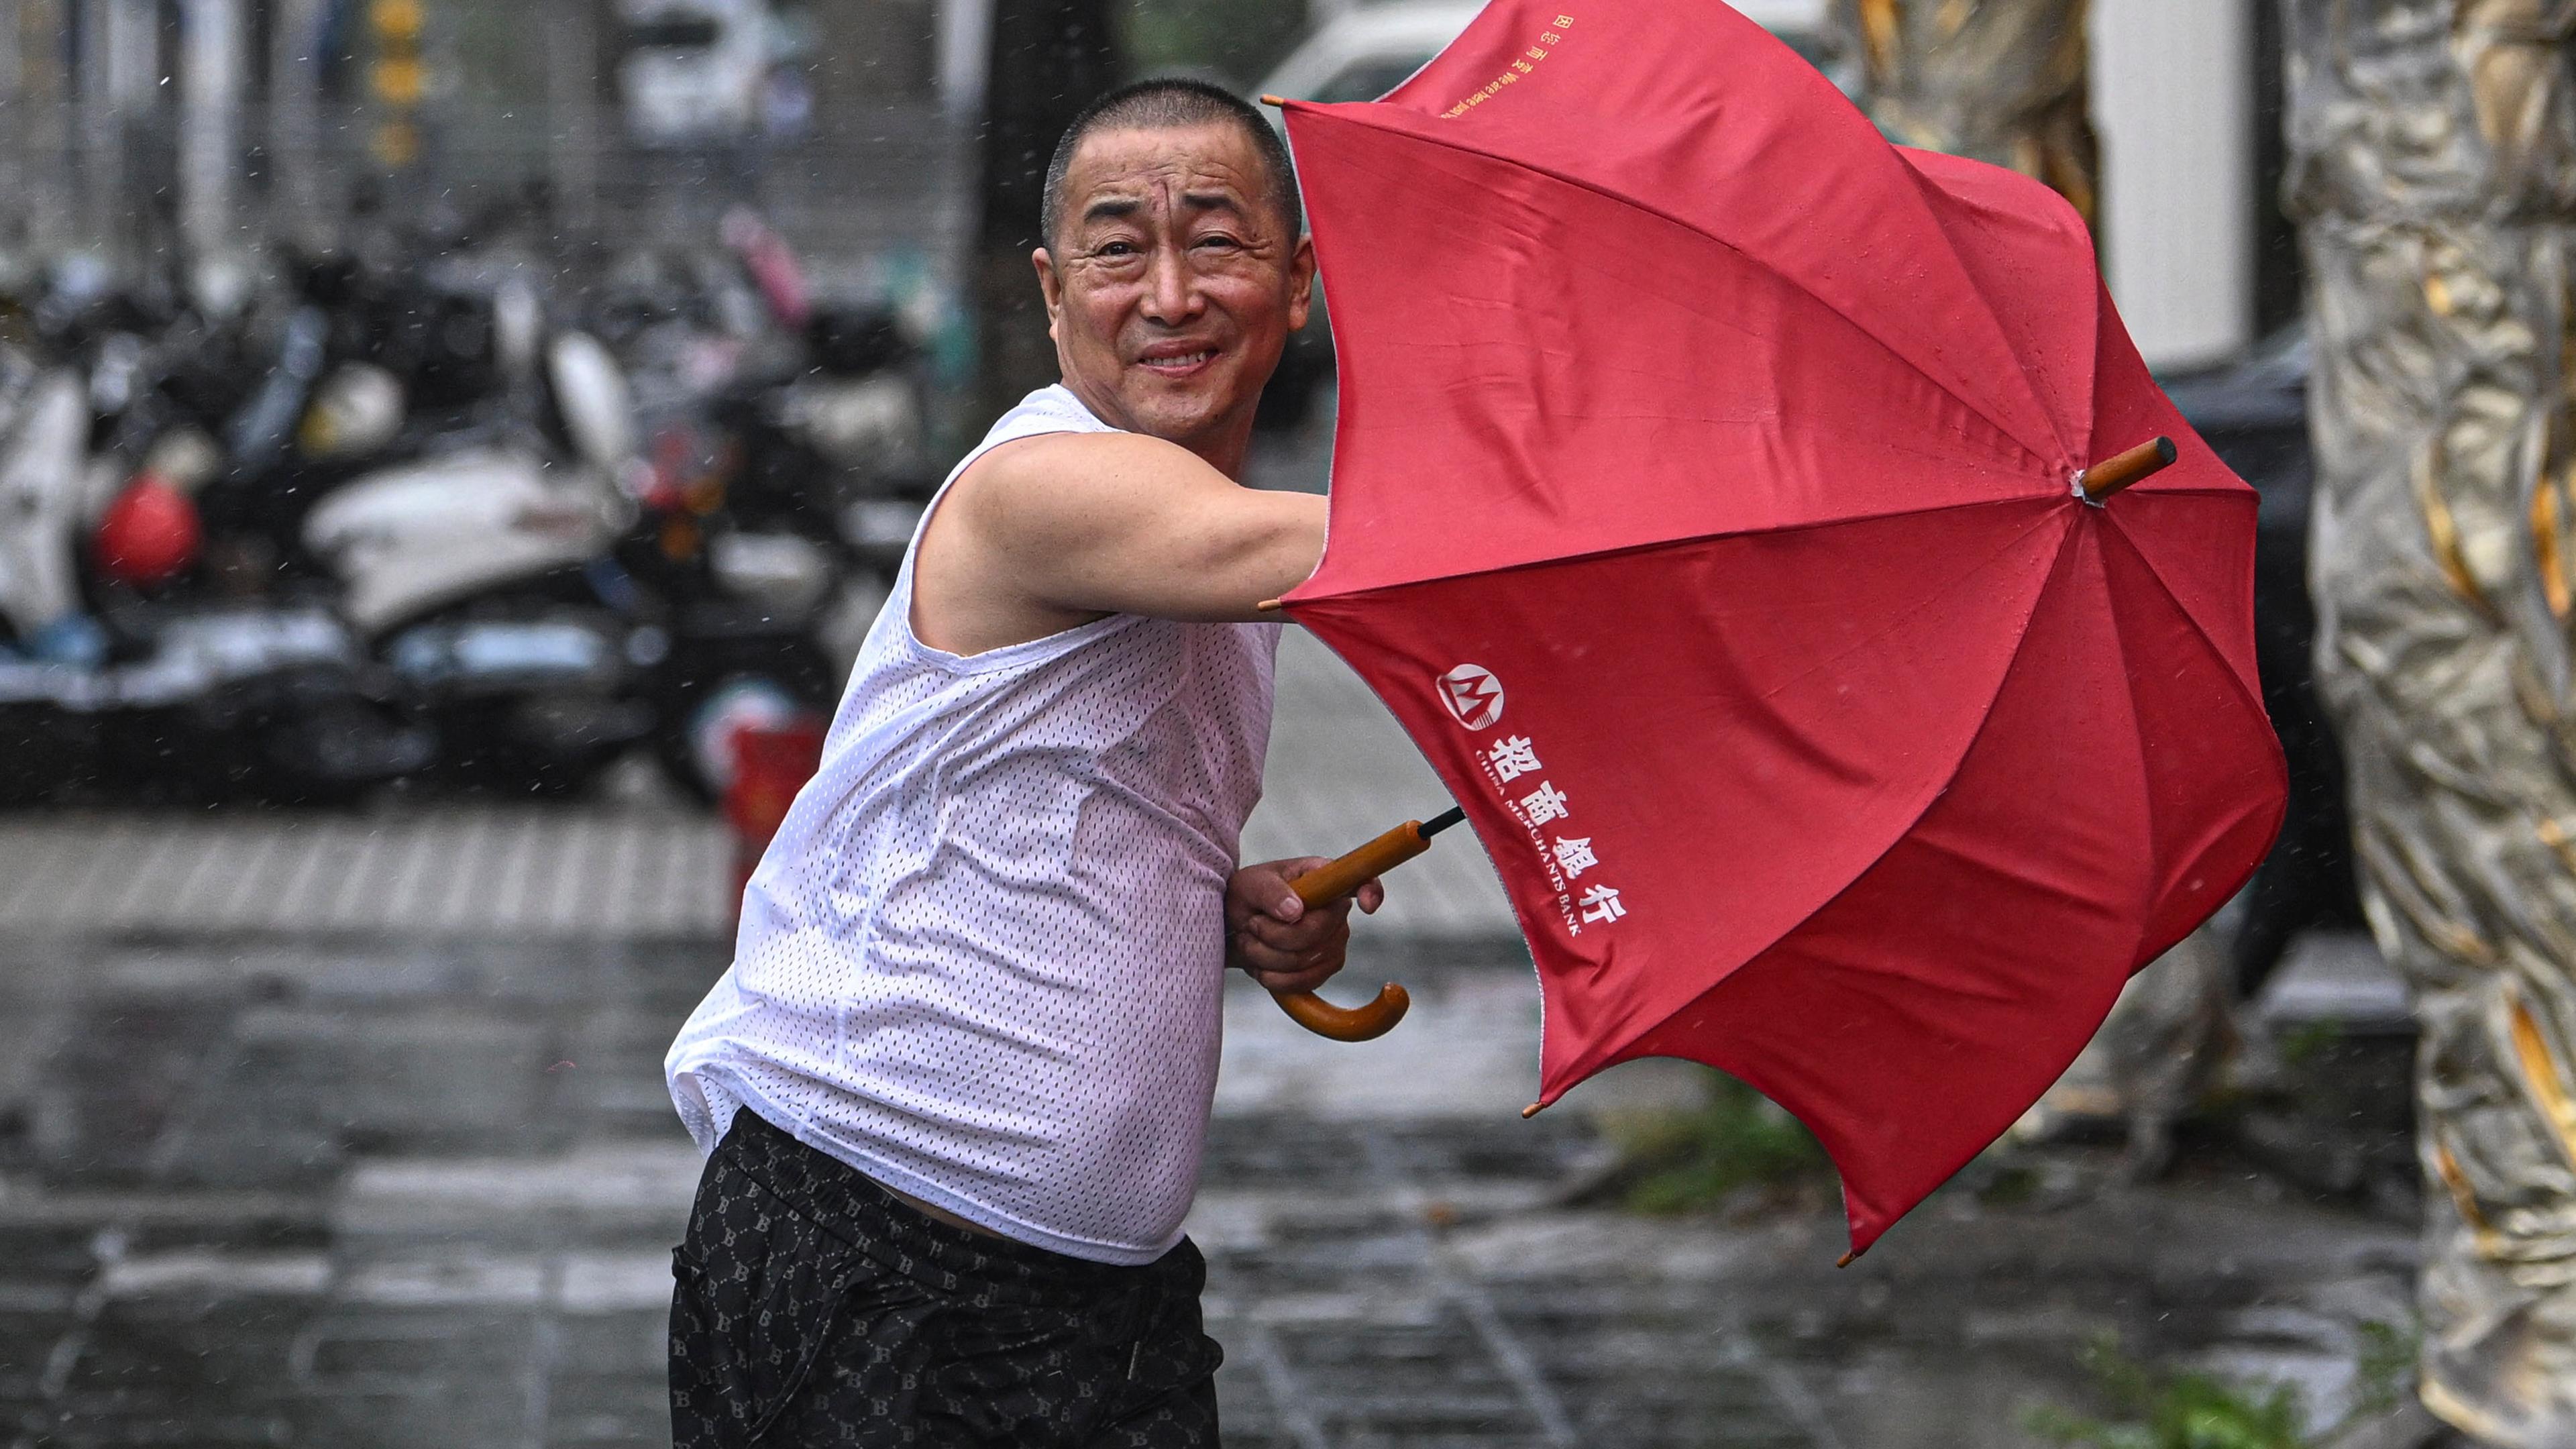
1171 293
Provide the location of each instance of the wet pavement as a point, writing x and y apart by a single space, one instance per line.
338 1192
348 1130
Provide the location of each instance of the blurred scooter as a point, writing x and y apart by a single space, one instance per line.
480 577
101 686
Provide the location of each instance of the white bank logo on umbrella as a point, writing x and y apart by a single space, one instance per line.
1473 695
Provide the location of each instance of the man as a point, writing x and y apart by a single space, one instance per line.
956 1083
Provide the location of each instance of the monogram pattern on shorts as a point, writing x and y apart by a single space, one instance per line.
811 1308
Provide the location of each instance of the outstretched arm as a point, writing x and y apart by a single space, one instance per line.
1091 523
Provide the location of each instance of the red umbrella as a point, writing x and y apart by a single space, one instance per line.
1710 504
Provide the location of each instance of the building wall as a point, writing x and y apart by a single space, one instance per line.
2173 98
519 93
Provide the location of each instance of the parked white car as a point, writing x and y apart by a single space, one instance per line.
693 70
1362 54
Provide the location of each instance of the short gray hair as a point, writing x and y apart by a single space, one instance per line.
1172 103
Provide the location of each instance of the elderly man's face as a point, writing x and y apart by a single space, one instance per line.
1172 285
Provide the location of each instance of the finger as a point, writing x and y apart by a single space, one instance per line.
1264 962
1262 889
1291 906
1305 935
1372 896
1291 985
1306 978
1255 954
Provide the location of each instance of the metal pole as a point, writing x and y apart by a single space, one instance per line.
15 132
59 219
121 52
102 123
2430 141
295 120
572 108
209 121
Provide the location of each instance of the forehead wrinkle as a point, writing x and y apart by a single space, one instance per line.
1140 165
1160 167
1119 198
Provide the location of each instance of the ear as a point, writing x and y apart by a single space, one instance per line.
1050 285
1301 282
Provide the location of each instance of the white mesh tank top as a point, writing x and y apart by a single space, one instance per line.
982 961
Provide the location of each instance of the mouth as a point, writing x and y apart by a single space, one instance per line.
1177 361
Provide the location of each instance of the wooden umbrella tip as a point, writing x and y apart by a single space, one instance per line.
1532 1110
1847 1259
1269 606
1271 100
2098 483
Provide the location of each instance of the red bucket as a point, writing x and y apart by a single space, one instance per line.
771 763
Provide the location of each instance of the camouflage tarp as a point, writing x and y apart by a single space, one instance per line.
2000 80
2434 174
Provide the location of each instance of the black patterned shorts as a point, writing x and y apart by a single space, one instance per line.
814 1308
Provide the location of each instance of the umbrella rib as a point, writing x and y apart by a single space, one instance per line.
1662 543
1927 188
2129 679
2245 695
1592 1061
1659 213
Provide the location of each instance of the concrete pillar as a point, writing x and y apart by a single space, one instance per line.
2433 173
965 58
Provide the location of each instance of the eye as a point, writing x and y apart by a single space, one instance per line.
1218 239
1116 249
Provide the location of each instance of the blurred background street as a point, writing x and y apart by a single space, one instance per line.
449 454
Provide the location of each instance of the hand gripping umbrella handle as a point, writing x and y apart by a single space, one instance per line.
1328 883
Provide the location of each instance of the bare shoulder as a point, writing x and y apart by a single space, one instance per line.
1058 477
1055 529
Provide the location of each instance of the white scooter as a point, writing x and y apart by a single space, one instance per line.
266 697
482 578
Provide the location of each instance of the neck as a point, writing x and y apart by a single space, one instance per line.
1224 448
1223 445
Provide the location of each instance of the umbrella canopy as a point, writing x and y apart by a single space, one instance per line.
1707 506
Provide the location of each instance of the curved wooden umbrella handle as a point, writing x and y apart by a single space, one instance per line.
1347 1023
1326 884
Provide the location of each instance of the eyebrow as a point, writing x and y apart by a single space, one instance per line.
1112 208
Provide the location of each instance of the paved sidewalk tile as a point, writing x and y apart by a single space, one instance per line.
1340 773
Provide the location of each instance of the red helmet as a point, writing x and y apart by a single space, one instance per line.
148 535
